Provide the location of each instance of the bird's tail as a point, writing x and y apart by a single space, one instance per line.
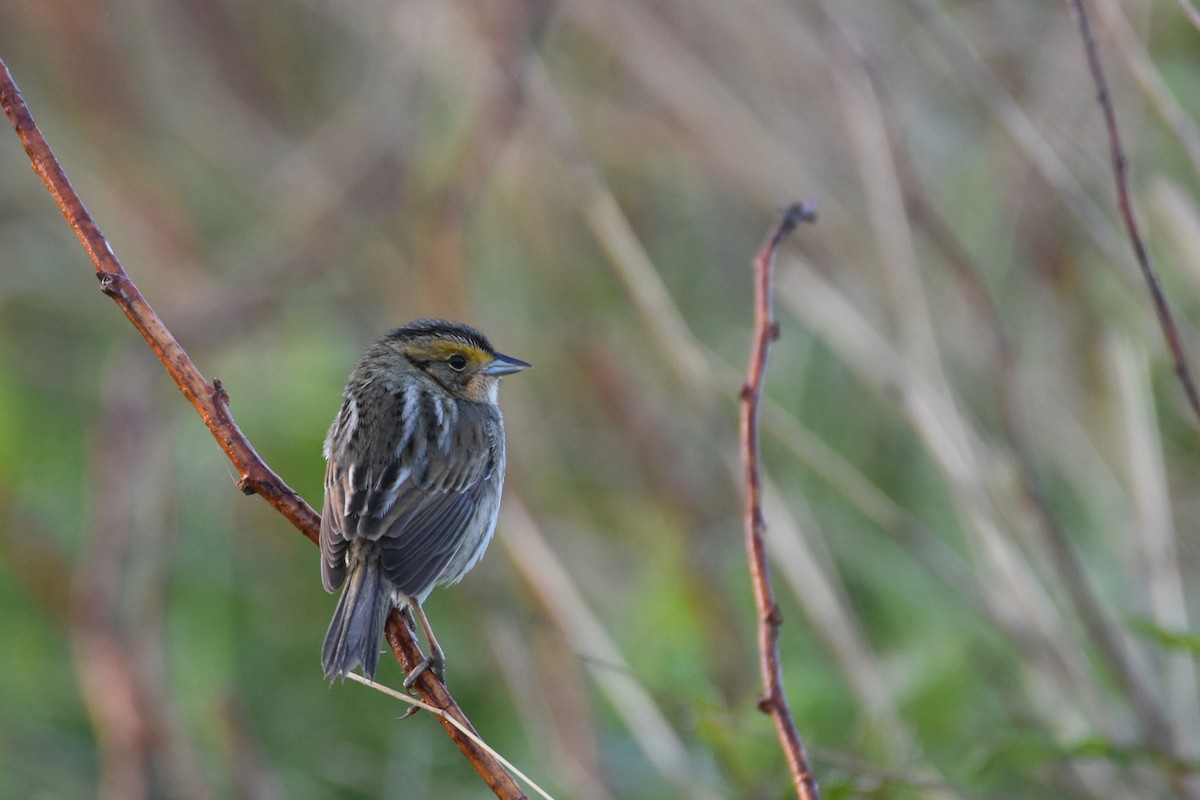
354 632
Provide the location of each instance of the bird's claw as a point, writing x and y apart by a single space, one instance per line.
435 662
416 673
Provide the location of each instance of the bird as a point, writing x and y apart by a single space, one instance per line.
414 473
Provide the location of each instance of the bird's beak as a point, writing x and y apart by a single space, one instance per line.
505 365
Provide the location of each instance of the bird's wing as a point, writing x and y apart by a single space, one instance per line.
418 506
333 539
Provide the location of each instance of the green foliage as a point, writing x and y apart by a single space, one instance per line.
287 180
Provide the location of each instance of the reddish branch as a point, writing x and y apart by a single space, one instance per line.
212 404
1120 164
774 701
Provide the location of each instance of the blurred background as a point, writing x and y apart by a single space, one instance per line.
982 469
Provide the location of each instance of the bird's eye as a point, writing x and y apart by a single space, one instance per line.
457 362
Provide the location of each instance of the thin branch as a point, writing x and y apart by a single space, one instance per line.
766 330
212 404
1120 165
440 714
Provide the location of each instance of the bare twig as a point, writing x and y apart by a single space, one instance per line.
774 701
466 730
212 404
1120 164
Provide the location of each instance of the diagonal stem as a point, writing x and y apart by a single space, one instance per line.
1120 164
212 404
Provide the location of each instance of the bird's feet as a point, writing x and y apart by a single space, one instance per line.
435 662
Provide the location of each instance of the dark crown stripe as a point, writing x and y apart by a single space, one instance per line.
442 329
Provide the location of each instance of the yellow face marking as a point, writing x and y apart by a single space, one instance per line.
443 349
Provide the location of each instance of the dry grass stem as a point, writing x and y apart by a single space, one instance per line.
558 594
449 720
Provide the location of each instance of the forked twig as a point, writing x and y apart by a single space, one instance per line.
1120 164
212 404
774 701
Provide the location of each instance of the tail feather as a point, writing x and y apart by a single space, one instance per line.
357 625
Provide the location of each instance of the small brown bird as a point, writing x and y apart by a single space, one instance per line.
415 468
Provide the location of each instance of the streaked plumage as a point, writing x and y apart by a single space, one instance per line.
415 469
